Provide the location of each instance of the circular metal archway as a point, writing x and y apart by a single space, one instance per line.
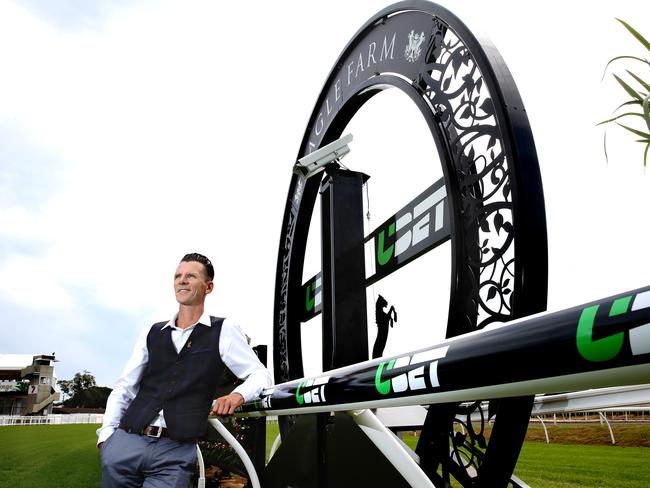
475 115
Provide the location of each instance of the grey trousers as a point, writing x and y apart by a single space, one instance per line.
132 460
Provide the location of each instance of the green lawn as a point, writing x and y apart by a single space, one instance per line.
272 431
66 456
570 466
43 456
574 465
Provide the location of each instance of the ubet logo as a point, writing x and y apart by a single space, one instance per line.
265 401
312 390
412 227
415 378
313 294
607 348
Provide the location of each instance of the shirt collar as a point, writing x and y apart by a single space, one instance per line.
204 319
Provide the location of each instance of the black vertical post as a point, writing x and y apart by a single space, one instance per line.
345 329
321 442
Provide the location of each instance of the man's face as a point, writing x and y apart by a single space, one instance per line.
191 283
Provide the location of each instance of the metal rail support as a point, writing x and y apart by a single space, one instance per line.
199 455
391 447
603 417
545 429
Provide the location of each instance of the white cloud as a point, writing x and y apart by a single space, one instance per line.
34 283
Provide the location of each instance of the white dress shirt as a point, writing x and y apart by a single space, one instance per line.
235 352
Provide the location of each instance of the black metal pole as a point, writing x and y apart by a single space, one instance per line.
345 330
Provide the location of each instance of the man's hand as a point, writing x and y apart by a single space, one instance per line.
226 405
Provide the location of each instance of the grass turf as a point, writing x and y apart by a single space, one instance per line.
585 466
49 455
65 455
581 455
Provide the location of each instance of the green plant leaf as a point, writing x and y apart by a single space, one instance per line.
613 119
631 91
629 102
638 97
635 131
617 58
636 34
639 80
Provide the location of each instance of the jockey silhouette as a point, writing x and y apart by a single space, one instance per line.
383 319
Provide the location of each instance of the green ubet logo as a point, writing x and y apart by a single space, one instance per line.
422 374
313 293
414 225
312 390
610 346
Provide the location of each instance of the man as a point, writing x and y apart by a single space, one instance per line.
161 402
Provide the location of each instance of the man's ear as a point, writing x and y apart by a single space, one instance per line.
209 288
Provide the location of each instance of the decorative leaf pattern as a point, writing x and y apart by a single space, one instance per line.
456 88
468 436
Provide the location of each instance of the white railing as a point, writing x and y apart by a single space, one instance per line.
57 419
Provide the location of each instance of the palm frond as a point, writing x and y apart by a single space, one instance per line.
613 119
618 58
639 80
639 133
629 102
636 34
638 97
631 91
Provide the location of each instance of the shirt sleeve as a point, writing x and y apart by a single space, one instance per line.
238 356
126 387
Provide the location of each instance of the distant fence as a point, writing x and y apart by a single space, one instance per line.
57 419
65 419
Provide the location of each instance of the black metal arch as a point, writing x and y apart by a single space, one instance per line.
498 226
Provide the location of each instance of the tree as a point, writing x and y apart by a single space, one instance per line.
93 397
83 391
66 387
83 381
637 106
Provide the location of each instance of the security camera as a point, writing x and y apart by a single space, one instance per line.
320 158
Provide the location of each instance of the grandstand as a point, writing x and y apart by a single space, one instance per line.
36 373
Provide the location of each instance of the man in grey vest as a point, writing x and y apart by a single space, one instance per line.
160 404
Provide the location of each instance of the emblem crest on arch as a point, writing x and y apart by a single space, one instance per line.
413 49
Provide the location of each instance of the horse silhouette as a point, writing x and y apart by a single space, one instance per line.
384 320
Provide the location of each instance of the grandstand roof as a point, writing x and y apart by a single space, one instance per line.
15 361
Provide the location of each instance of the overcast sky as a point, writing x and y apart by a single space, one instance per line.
134 132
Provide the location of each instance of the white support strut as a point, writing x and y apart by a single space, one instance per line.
390 447
611 432
199 455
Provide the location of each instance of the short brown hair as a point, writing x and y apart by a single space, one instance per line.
200 258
